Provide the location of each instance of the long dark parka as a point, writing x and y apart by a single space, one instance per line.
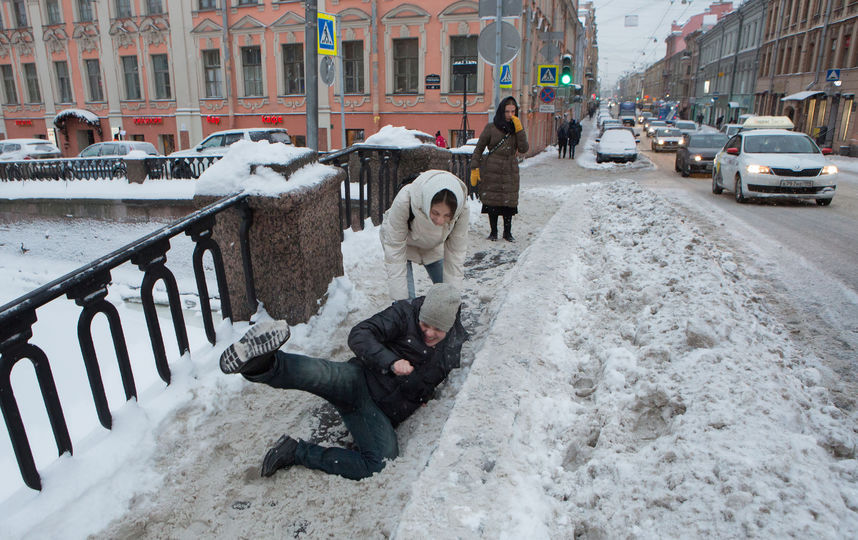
499 180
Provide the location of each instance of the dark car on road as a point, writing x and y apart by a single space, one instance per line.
698 153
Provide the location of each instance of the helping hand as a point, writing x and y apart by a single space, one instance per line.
402 367
475 177
517 123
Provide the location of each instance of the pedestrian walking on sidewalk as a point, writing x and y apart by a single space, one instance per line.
574 137
496 174
427 224
562 139
401 355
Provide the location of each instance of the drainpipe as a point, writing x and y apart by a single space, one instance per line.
773 65
376 89
735 59
227 63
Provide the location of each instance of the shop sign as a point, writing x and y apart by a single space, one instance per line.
23 122
213 119
148 120
272 119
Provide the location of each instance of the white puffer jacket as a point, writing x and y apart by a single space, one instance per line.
425 242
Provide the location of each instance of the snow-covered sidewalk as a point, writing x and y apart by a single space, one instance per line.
631 385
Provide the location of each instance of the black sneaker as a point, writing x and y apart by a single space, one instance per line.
493 236
261 340
508 237
280 456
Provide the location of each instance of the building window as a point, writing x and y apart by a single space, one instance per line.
208 4
293 68
63 81
123 8
10 94
19 8
131 74
84 10
251 65
93 79
154 7
161 70
247 2
353 66
55 13
462 49
212 73
34 95
405 66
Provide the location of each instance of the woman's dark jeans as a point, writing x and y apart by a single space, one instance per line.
342 384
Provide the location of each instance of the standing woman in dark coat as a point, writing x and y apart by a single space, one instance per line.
496 174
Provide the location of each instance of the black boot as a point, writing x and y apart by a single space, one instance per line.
280 456
507 229
493 223
254 352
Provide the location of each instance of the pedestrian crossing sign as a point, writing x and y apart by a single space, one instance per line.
327 34
506 77
548 75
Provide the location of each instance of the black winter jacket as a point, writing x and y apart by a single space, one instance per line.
395 333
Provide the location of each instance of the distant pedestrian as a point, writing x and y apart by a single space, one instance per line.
574 136
719 122
498 184
562 139
699 120
440 140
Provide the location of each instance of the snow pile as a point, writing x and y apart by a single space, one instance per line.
137 154
232 173
82 114
398 137
650 395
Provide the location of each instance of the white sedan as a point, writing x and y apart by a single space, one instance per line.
774 163
616 145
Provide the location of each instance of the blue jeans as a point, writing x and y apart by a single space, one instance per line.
343 385
435 271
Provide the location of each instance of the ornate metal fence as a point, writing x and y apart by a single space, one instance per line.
87 287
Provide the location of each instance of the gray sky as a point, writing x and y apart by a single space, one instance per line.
624 48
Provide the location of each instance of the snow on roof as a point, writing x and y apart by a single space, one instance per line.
84 115
399 137
232 173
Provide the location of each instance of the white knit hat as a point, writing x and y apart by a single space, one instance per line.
440 306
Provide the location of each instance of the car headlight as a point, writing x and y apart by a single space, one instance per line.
829 169
660 141
759 169
698 157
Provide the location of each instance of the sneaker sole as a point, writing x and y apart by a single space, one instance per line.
262 338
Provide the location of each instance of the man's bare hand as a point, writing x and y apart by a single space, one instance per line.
402 367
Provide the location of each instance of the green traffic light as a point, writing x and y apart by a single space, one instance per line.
565 79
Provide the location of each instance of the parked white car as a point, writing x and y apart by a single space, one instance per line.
616 145
768 163
19 149
219 142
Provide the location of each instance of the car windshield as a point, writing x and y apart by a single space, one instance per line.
780 144
668 133
618 136
657 124
686 125
707 141
43 147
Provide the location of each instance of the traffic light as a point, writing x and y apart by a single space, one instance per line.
566 70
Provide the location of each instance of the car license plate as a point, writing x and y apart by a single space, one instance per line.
796 183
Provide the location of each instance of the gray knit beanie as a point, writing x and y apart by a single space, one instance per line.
440 306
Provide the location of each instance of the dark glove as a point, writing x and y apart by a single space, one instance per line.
281 455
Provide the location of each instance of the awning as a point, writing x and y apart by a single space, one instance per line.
801 96
734 104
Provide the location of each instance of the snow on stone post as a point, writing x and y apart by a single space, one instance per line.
294 236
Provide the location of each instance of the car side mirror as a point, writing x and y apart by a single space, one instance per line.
637 140
826 151
733 151
597 140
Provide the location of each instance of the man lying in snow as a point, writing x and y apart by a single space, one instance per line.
401 355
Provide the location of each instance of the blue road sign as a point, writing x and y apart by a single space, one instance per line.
546 95
506 77
832 75
548 75
327 34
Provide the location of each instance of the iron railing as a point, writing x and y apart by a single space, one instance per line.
159 167
87 286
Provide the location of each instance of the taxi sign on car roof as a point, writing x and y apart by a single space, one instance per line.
768 122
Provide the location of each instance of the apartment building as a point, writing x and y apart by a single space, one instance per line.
173 71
